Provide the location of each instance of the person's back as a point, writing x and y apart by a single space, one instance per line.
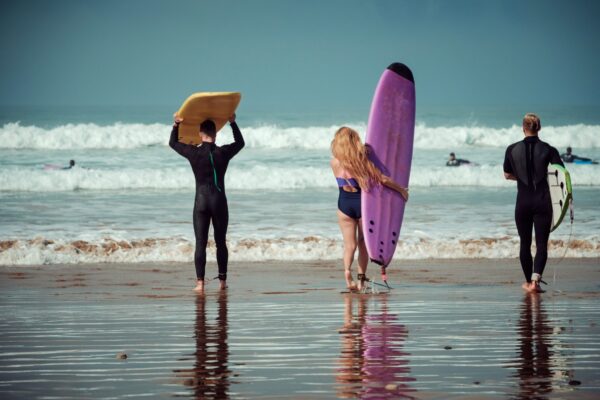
527 161
209 163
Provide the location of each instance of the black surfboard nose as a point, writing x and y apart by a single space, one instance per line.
402 70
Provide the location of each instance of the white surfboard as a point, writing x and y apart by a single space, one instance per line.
561 192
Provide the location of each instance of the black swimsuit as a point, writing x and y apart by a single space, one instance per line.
349 202
209 163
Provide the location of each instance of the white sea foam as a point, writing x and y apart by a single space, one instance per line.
128 136
257 177
577 136
489 175
26 180
261 177
83 136
108 250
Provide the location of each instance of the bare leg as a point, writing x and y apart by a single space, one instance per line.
348 226
363 255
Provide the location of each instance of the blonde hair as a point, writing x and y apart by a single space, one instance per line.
532 123
347 148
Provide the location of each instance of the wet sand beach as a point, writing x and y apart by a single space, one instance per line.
449 329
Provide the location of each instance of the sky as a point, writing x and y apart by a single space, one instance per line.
296 55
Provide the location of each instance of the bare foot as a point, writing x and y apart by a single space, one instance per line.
350 284
199 286
223 285
532 287
361 283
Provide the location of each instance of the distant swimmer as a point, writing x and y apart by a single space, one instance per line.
56 167
569 157
527 163
209 163
354 172
456 162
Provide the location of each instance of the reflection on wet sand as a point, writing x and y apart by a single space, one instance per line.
209 379
534 349
372 363
540 368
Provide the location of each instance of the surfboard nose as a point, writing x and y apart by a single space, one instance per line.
402 70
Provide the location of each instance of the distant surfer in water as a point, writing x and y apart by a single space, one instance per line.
209 163
354 172
527 163
55 167
569 157
456 162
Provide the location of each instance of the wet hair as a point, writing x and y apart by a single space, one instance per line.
452 155
532 123
208 127
347 148
71 163
569 149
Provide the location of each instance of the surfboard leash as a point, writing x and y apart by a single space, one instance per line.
384 278
572 218
372 282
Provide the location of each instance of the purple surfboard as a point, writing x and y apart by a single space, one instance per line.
390 134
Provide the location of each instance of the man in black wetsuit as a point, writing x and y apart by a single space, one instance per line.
456 162
569 157
209 163
527 163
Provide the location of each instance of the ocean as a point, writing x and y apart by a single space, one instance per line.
129 197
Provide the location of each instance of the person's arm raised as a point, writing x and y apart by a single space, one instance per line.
238 139
183 149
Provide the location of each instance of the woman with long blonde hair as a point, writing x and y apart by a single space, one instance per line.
354 172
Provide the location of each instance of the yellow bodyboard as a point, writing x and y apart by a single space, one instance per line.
217 106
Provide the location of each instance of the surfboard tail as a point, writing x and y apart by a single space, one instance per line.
376 261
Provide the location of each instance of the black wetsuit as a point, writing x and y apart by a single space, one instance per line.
209 163
569 158
528 161
457 162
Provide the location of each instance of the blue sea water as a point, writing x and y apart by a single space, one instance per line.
129 197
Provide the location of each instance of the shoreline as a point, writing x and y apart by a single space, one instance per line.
291 249
449 329
503 272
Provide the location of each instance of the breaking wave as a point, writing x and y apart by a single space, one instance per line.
130 136
256 177
109 250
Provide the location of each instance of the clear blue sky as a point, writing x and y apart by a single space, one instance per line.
298 55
